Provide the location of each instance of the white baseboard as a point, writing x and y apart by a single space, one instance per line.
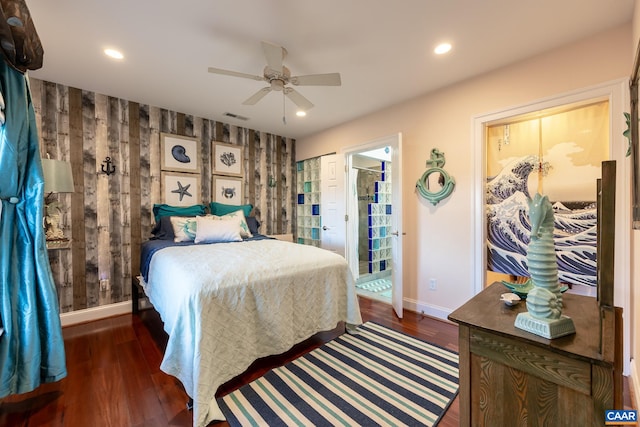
427 309
95 313
101 312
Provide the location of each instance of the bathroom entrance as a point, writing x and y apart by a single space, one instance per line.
373 185
374 237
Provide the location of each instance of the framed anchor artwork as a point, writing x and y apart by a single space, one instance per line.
180 189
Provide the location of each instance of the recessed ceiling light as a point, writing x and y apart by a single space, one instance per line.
112 53
301 113
442 48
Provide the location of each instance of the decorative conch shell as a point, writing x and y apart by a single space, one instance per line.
543 304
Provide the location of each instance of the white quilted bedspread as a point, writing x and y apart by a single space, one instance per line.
226 305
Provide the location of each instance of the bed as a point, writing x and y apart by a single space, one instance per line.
226 304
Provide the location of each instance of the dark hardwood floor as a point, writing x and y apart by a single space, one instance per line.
114 377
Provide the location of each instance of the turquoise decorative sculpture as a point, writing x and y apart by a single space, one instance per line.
446 182
544 301
541 254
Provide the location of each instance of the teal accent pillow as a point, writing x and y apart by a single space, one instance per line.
167 210
220 209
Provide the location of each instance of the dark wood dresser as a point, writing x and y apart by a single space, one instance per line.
510 377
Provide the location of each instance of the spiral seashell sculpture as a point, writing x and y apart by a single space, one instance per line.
544 301
542 304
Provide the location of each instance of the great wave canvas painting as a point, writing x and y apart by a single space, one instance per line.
509 227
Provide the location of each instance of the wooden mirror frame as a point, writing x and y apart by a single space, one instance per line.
634 143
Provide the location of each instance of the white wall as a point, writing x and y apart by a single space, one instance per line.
439 240
635 255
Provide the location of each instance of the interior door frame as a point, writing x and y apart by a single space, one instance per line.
395 142
616 92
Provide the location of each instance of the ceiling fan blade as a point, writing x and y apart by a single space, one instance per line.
302 102
274 55
234 74
331 79
253 99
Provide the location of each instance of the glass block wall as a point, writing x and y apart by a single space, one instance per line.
379 220
308 182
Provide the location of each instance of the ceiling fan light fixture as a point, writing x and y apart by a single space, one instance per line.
301 113
277 84
278 77
442 48
113 53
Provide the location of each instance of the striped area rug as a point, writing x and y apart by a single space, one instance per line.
375 377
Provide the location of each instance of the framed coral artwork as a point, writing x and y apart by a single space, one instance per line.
179 153
227 190
227 159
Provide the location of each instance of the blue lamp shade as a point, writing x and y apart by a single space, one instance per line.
57 176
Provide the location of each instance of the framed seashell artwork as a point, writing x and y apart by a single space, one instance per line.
179 153
227 159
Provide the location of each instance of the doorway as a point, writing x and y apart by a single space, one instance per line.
616 93
374 238
373 195
557 152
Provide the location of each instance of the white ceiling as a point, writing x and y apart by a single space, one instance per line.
382 49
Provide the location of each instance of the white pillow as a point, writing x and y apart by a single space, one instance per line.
184 228
237 217
210 230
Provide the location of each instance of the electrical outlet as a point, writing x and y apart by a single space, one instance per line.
104 285
432 284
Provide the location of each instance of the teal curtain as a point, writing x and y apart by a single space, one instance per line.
31 346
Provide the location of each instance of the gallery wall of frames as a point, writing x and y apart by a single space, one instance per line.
108 216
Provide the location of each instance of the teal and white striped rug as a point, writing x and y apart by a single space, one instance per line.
376 377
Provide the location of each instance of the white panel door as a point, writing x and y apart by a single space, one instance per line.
332 234
396 220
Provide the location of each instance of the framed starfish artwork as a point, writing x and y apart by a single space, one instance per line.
179 153
180 189
228 190
227 159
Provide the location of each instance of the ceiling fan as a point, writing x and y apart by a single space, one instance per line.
279 77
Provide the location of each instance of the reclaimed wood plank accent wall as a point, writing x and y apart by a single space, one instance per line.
108 216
